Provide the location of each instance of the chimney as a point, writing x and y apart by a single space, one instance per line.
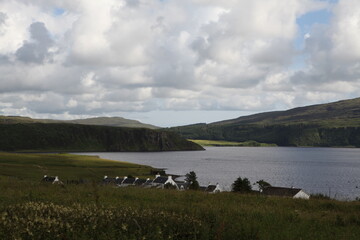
105 177
157 175
45 176
117 178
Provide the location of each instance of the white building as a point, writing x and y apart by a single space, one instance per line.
286 192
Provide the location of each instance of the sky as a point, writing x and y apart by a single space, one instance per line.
175 62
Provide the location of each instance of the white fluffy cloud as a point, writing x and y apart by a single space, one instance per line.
80 57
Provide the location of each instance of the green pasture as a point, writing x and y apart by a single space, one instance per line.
32 167
214 143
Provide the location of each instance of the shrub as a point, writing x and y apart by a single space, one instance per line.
263 184
241 185
192 180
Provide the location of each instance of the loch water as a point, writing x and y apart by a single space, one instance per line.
330 171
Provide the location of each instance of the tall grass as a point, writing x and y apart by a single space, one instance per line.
167 214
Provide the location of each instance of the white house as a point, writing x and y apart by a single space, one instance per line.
286 192
213 188
160 182
128 181
51 179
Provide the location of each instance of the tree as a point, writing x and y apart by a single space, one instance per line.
241 185
263 184
192 180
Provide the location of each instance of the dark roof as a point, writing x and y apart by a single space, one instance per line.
109 180
128 181
140 181
148 182
160 180
48 179
281 191
202 188
118 180
210 188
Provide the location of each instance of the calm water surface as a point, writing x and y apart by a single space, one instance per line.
334 171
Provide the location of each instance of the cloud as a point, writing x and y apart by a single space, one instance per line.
120 55
333 53
36 50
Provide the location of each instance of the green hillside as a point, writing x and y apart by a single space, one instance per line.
325 125
344 113
113 121
102 121
75 137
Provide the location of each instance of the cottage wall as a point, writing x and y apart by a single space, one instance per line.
302 195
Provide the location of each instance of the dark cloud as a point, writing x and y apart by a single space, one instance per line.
4 59
132 3
36 50
3 18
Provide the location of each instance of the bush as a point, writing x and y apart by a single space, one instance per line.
263 184
192 180
241 185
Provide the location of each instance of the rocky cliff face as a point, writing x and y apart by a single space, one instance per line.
74 137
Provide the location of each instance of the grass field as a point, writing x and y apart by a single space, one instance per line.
32 167
33 210
213 143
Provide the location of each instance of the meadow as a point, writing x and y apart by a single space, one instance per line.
32 167
214 143
30 209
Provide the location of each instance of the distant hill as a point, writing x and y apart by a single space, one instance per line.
327 125
338 114
54 137
102 121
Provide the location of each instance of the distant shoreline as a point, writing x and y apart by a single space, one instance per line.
215 143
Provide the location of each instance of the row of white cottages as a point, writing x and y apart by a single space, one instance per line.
163 181
157 182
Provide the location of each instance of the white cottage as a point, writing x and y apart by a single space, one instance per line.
286 192
161 181
213 188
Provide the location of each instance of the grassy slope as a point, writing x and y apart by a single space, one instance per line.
333 124
100 121
113 121
131 213
337 114
212 143
67 166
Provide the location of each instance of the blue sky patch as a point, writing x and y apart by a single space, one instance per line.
58 11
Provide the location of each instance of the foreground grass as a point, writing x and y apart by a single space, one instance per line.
33 167
103 212
33 210
213 143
